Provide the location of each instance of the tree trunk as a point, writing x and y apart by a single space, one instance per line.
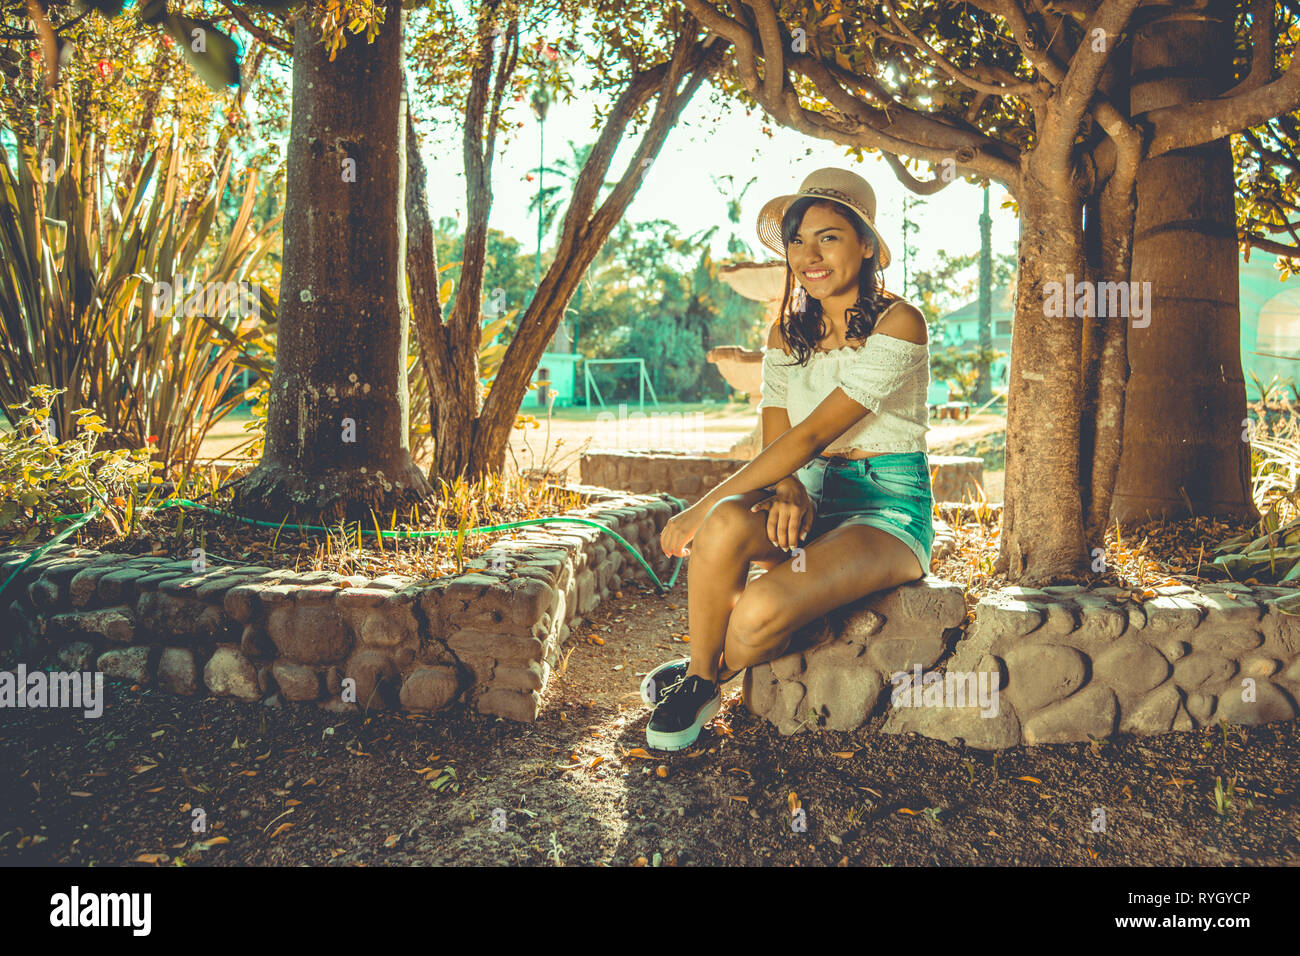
336 443
1186 398
1042 518
983 379
450 365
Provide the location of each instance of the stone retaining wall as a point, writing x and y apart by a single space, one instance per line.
488 637
691 477
1067 664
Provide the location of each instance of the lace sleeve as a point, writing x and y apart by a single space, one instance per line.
776 371
880 366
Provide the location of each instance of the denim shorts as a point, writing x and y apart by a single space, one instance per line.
891 492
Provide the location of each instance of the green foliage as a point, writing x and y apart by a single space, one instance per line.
77 297
961 368
42 477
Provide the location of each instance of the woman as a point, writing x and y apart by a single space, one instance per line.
837 505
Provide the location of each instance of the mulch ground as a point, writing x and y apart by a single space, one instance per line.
299 786
295 785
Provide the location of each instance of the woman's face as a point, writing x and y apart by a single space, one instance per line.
826 254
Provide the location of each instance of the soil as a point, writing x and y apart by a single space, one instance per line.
300 786
296 785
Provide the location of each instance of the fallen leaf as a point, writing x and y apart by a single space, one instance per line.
844 754
740 799
280 829
637 752
910 813
595 762
142 768
154 858
661 771
248 773
215 841
293 803
78 793
391 841
1029 779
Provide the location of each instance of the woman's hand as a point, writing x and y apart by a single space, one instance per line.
680 530
790 513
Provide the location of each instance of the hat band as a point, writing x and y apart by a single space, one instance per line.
833 194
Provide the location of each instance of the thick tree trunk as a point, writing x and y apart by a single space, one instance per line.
1042 518
1186 396
336 440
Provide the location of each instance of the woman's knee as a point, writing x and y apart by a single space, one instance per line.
729 525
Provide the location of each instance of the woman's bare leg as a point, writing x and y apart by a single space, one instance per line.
731 537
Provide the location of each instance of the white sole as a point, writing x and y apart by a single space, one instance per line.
687 736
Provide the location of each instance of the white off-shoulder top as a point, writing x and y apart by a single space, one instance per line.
889 376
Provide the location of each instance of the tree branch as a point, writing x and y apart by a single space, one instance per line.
267 37
1192 124
996 89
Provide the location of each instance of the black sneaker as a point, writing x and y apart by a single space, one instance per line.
663 677
681 714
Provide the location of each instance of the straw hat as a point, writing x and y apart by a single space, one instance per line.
844 187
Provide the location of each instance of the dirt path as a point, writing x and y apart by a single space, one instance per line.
294 786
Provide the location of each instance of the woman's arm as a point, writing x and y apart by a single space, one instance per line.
775 423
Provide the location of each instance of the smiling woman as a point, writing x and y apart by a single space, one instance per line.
844 427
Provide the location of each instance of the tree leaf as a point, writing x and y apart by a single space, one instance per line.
218 63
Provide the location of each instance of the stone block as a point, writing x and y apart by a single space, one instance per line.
229 673
131 664
429 689
1092 711
520 677
312 634
1039 674
1270 703
178 672
297 681
114 624
1199 672
1131 669
377 680
1172 614
1008 617
510 704
500 647
83 589
1154 713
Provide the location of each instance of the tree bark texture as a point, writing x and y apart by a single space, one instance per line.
1186 397
336 443
1042 516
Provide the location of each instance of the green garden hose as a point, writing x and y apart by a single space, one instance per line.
82 519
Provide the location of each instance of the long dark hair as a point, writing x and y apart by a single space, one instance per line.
805 325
